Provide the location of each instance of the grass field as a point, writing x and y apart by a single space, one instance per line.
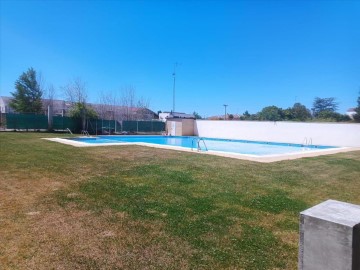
132 207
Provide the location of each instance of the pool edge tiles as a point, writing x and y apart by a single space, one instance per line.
250 157
287 156
68 141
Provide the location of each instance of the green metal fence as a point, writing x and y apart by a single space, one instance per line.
97 126
101 126
143 126
2 120
26 121
63 123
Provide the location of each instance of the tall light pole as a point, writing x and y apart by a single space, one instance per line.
225 105
174 75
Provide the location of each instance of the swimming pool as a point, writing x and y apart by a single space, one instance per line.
237 147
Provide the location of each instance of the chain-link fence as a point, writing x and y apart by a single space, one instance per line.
63 123
143 126
101 126
93 126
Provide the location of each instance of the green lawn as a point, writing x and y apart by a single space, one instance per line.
132 207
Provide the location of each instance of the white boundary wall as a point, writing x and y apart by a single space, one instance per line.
332 134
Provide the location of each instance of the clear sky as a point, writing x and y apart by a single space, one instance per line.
247 54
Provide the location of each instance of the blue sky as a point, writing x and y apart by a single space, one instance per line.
247 54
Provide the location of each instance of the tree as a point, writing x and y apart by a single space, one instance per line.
133 108
271 113
357 110
81 111
300 112
27 97
197 116
49 94
246 114
142 106
288 114
75 93
332 116
108 108
324 104
128 101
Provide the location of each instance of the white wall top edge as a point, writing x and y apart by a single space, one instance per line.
331 134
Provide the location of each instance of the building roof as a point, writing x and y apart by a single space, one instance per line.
60 105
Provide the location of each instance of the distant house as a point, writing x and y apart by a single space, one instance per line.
351 112
4 105
170 115
104 111
114 112
215 117
60 107
229 116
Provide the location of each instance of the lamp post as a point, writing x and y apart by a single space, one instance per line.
174 75
225 105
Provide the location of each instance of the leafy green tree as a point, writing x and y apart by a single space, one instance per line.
255 117
81 110
324 104
300 112
246 114
27 97
197 116
357 110
332 116
271 113
76 94
288 114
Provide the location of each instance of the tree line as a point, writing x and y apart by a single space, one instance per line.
323 110
30 94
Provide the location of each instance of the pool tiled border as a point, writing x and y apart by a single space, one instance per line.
264 159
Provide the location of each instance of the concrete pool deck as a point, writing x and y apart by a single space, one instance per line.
263 159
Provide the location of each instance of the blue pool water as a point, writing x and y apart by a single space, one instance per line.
256 148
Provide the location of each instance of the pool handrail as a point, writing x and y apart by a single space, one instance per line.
198 140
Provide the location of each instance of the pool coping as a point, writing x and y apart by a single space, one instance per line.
263 159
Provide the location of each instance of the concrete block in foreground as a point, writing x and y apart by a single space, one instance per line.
330 237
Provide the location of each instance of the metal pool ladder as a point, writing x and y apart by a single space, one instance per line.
85 133
198 141
68 129
307 142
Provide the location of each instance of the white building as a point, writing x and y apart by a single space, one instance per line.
351 112
171 115
4 105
